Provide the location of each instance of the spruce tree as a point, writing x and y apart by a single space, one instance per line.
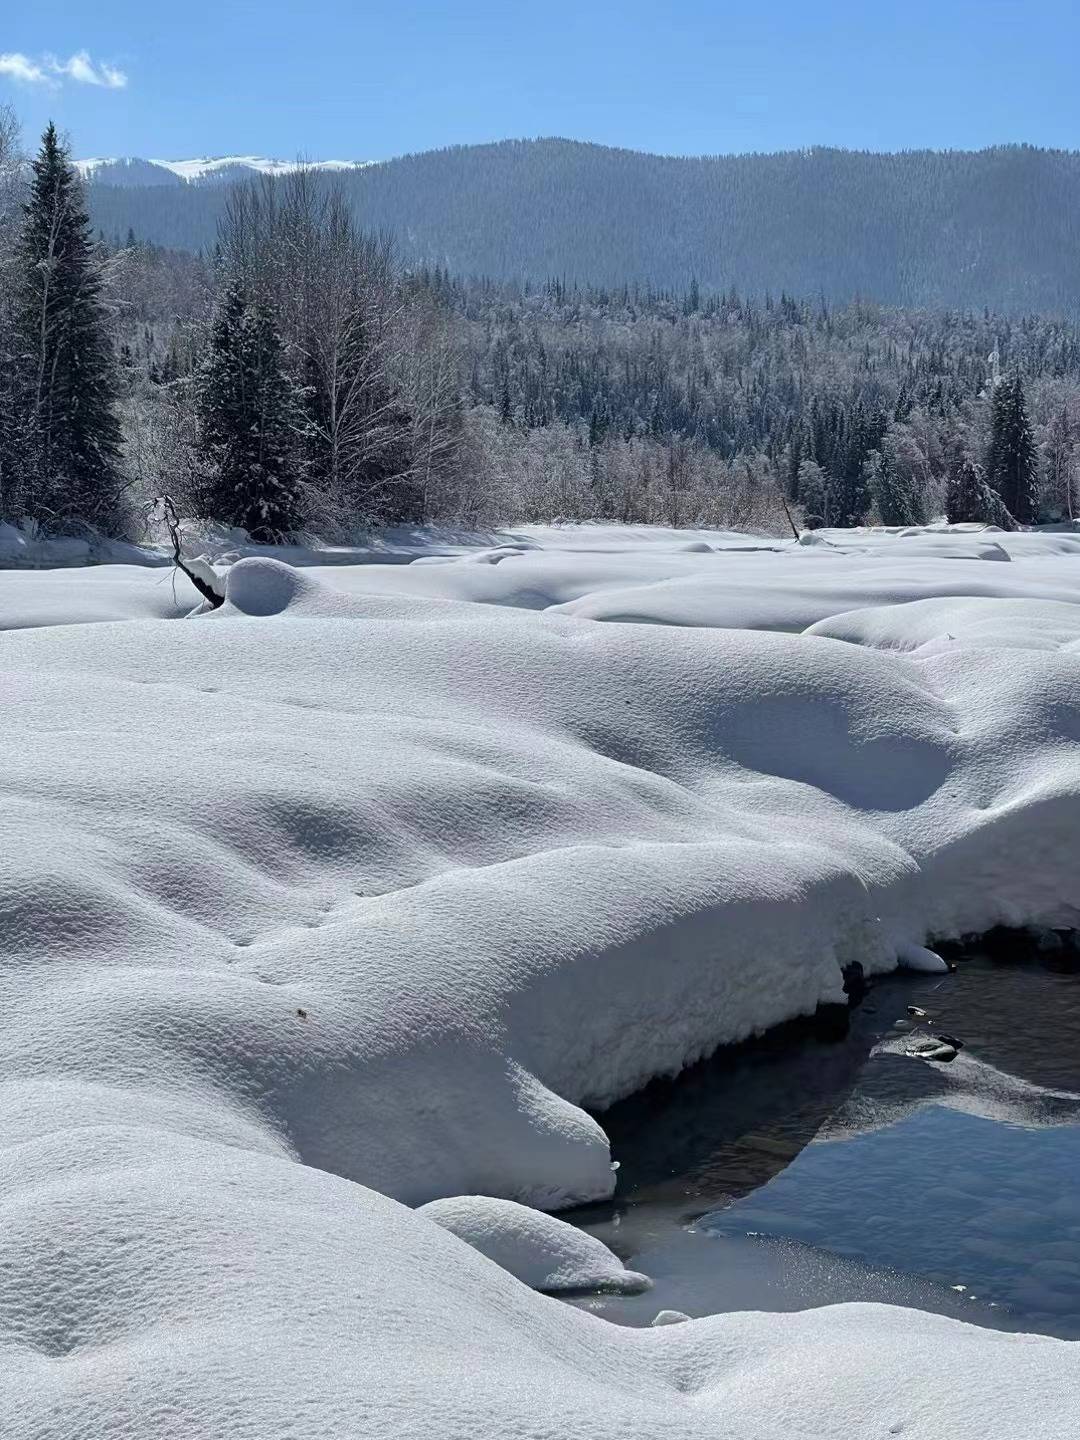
1011 465
10 508
814 494
250 419
69 433
898 495
968 499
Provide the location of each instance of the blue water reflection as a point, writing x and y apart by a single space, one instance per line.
959 1199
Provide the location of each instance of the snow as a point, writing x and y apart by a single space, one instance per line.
86 168
542 1251
920 959
205 167
91 595
364 890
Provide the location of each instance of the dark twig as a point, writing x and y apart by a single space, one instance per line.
172 522
790 521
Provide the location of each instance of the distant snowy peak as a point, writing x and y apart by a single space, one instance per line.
132 171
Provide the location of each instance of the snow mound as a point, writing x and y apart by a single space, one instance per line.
937 624
374 884
921 960
540 1250
93 595
258 586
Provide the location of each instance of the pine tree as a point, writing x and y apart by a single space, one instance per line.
968 499
10 508
898 496
67 389
249 419
506 404
1011 464
814 495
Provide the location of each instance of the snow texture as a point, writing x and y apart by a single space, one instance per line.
367 888
542 1251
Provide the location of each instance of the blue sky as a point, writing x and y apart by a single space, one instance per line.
330 79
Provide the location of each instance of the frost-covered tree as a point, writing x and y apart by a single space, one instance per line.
1059 498
250 418
1011 464
406 389
67 384
969 499
351 325
897 484
849 492
813 489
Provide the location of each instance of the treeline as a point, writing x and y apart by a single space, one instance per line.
962 229
297 380
300 378
857 412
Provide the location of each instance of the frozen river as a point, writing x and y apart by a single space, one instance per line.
783 1176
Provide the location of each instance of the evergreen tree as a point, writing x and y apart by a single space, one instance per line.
9 499
69 433
968 499
1011 464
814 494
250 417
898 496
849 491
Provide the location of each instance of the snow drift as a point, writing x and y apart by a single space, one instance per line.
398 872
543 1251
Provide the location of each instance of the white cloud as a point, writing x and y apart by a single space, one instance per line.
80 68
22 68
52 72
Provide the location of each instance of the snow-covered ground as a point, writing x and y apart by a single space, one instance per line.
359 892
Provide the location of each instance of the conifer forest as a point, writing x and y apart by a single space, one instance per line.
301 374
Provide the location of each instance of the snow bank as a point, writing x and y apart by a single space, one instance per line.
155 1286
396 873
543 1252
92 595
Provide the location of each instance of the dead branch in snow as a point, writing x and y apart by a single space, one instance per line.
210 594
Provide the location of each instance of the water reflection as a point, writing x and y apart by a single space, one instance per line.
806 1174
988 1209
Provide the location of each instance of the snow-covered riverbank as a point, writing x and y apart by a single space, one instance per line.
390 870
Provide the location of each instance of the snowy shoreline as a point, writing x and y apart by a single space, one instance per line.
390 870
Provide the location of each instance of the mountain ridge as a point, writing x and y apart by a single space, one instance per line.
997 227
135 170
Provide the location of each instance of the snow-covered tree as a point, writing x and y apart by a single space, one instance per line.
896 479
1059 498
968 498
813 488
250 418
67 386
1011 464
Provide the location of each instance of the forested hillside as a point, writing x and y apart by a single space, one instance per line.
303 377
998 227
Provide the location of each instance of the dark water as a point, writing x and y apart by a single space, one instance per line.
811 1173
